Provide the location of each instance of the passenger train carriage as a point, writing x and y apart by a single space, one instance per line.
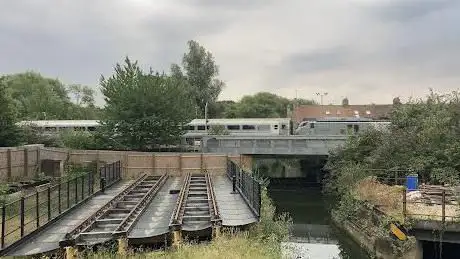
198 128
339 127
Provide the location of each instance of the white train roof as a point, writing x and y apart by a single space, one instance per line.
240 121
61 123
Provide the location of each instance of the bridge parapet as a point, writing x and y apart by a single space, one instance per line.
272 145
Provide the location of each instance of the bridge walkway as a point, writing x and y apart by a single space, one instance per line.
232 208
154 222
48 239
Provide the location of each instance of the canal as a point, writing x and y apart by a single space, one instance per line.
312 235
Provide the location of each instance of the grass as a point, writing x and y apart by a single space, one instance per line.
263 240
390 200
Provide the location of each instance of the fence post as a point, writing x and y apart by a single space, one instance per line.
3 225
68 194
49 203
22 216
404 205
102 183
76 189
234 183
59 197
82 187
89 184
37 208
443 206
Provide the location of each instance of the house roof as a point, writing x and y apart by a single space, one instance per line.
374 111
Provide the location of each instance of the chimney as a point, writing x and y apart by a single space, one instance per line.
345 102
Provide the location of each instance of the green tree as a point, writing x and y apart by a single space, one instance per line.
37 97
9 132
200 72
83 94
142 109
263 105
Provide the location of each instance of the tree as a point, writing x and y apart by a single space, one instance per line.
83 94
200 72
143 110
263 105
219 109
37 97
9 132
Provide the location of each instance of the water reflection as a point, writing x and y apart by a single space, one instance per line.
313 235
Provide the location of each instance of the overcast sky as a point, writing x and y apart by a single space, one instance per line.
367 50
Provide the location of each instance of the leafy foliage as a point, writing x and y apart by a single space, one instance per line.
143 109
424 138
9 132
40 98
200 73
263 105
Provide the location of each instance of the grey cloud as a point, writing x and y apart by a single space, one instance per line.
315 61
408 10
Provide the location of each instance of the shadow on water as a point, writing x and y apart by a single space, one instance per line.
312 235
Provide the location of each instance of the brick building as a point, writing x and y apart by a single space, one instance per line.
372 111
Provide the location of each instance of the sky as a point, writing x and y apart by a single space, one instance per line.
367 50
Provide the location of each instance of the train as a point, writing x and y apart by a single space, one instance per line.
198 128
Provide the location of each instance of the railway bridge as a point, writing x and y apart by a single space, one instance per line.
272 145
95 209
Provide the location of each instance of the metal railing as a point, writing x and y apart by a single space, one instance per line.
247 186
31 212
111 173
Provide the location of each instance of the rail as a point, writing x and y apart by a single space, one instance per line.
247 186
176 219
215 216
70 237
126 225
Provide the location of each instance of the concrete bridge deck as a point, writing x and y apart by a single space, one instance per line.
272 145
153 222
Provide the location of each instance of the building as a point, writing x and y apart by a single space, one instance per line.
371 111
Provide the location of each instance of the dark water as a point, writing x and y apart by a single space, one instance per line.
313 234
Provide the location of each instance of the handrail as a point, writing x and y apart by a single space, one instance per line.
82 227
151 192
175 218
216 216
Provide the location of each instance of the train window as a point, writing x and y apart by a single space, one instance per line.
275 126
79 128
263 127
312 125
91 128
249 127
233 127
190 127
200 127
283 126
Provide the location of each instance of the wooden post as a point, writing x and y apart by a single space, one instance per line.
9 164
26 162
177 238
216 231
70 252
122 246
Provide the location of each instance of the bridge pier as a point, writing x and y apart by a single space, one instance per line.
71 252
122 246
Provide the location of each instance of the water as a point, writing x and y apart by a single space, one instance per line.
313 234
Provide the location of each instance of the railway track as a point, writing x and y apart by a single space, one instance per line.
118 216
196 207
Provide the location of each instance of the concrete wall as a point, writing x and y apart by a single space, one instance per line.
17 163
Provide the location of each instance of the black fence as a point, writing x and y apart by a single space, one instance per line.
111 173
30 212
246 185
